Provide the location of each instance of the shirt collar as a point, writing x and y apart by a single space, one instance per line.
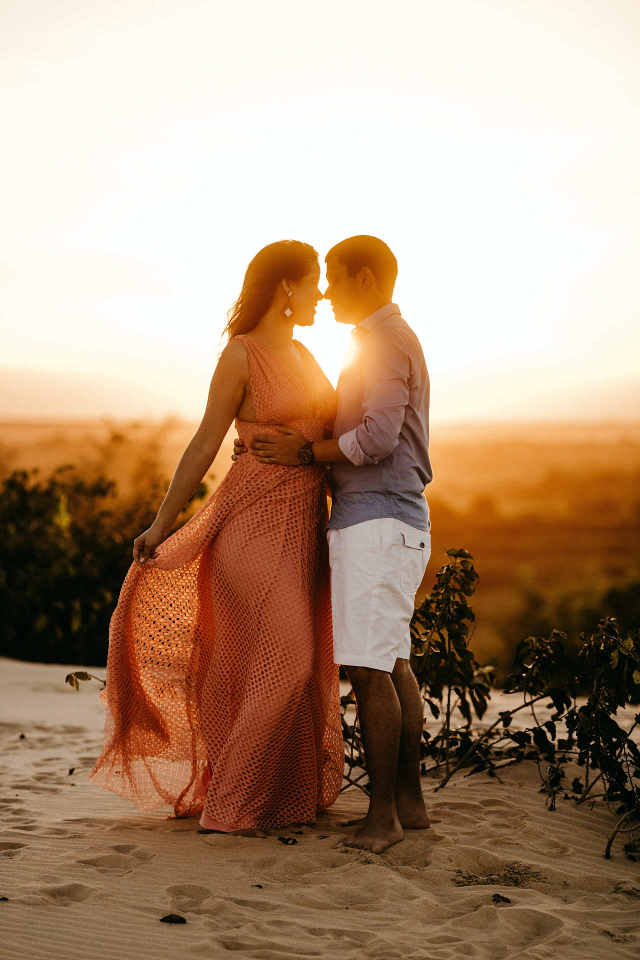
378 317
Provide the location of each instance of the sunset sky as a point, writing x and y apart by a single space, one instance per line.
151 148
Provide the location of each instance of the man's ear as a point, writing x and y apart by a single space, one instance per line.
366 279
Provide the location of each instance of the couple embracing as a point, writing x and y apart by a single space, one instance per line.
222 690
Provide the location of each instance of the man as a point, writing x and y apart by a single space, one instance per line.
379 530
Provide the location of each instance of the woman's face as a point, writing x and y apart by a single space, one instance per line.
304 298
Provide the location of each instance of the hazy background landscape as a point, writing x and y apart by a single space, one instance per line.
549 510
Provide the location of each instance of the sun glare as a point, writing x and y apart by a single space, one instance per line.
509 203
327 340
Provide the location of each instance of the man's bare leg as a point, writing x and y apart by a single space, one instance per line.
409 800
380 722
410 806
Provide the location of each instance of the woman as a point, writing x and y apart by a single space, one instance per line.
222 697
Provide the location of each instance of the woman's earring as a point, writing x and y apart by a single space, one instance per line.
288 312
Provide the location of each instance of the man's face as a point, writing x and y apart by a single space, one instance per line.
343 292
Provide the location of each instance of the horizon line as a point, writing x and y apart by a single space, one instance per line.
76 419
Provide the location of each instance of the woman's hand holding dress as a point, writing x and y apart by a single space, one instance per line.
144 545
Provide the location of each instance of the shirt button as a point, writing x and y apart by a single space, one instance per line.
422 543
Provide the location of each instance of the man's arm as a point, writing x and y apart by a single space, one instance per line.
283 448
386 396
328 451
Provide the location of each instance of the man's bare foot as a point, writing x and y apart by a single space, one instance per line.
375 838
410 817
412 813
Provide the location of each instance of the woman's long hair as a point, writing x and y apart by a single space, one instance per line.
282 260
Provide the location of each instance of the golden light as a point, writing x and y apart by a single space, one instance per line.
135 198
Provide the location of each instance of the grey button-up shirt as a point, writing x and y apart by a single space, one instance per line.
382 425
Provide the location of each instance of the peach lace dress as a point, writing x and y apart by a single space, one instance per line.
222 697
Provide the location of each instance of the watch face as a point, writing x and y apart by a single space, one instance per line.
305 455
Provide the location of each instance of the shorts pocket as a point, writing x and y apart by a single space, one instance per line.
416 539
416 550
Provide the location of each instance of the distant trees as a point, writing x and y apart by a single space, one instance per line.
64 551
578 612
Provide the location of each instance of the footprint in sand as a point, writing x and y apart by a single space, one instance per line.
138 852
92 822
65 894
260 904
520 928
545 846
121 862
188 896
10 848
347 937
255 946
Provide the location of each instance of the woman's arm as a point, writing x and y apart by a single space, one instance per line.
226 393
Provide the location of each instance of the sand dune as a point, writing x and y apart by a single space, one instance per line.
86 875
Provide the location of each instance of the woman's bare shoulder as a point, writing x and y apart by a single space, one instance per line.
234 360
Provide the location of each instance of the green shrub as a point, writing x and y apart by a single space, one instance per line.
65 550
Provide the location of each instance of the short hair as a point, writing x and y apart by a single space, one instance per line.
365 251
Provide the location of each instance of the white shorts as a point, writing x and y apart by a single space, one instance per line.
376 569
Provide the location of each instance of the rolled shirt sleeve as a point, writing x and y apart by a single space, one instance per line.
386 396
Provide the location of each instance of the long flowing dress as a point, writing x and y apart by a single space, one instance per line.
222 698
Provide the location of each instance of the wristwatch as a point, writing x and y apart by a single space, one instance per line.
305 453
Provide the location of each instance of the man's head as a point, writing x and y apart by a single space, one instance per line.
361 273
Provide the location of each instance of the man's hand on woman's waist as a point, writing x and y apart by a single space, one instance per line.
283 449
